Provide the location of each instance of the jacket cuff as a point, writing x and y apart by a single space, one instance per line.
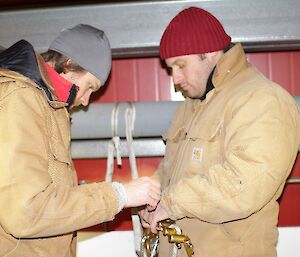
122 197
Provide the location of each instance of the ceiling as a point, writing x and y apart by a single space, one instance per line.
21 4
135 27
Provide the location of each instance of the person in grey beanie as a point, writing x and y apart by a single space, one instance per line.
42 205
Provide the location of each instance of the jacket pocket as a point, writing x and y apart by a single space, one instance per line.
174 134
205 147
207 130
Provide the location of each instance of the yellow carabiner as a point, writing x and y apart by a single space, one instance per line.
173 232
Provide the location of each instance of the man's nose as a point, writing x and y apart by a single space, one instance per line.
177 78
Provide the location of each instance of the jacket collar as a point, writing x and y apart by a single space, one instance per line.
209 86
65 90
233 61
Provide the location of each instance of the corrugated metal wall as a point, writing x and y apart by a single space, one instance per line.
145 79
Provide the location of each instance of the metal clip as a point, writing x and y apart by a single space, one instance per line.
189 248
178 239
169 231
165 223
173 232
148 246
185 240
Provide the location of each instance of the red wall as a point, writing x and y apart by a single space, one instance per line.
144 79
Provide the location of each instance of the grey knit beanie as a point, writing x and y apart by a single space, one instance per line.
88 47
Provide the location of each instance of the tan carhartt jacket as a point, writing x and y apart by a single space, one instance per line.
41 204
227 161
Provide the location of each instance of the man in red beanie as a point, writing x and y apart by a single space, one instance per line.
228 152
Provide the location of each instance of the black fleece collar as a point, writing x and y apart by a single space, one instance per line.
21 58
209 85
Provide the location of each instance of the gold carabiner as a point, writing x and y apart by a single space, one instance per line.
188 248
148 236
185 240
173 232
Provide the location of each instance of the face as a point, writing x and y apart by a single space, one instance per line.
87 84
191 72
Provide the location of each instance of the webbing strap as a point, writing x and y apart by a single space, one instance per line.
113 145
129 121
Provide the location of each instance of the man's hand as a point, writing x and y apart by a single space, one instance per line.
142 191
149 218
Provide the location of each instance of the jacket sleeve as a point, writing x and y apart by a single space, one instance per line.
261 143
31 205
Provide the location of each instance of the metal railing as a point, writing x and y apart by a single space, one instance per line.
293 180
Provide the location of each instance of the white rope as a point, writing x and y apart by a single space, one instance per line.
155 246
113 145
129 121
178 231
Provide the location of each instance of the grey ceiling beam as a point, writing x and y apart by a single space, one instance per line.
135 28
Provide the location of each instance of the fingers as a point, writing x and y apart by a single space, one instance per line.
144 217
142 191
153 227
153 219
152 203
156 216
152 186
144 223
154 193
150 219
151 208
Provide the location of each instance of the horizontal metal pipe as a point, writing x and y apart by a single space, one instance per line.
152 119
90 149
293 181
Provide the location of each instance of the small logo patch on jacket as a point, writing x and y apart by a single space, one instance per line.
197 154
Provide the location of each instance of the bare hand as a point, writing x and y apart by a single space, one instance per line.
142 191
149 219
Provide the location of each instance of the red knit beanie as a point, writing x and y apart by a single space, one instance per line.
193 31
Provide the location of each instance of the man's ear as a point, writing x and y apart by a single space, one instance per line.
214 56
67 64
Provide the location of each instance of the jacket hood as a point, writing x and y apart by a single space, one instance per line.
21 58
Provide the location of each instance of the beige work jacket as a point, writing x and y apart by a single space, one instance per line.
227 160
41 204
